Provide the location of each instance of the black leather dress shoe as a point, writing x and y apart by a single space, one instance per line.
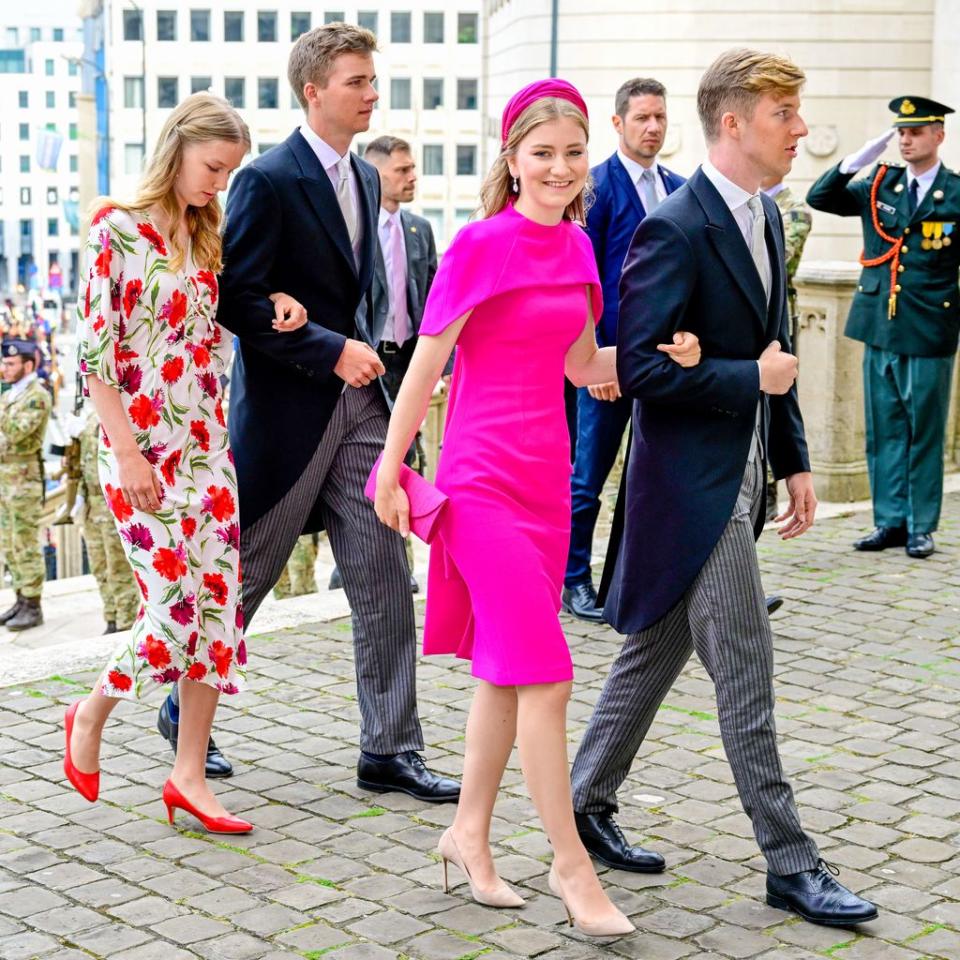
336 581
218 767
405 773
581 601
414 586
881 538
818 898
920 545
605 842
774 603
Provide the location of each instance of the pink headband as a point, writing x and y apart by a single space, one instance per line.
532 92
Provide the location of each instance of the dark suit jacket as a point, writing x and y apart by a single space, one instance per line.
688 268
285 232
612 220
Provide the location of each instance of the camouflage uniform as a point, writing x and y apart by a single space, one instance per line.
23 421
797 221
108 563
298 575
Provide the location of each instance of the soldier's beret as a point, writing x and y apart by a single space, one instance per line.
19 348
918 111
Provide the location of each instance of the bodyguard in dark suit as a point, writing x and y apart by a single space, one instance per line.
710 260
627 186
906 311
307 416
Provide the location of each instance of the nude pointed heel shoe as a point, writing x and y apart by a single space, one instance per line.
617 926
502 896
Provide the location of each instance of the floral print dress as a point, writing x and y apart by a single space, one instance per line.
150 333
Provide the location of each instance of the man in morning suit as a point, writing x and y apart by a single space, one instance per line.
906 311
307 415
627 186
710 260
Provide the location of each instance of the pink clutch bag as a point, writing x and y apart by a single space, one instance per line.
427 503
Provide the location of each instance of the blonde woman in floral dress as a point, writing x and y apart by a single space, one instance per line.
152 355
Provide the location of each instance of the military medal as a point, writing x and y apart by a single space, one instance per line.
926 243
937 243
947 230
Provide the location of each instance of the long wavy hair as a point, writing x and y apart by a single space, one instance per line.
496 191
200 118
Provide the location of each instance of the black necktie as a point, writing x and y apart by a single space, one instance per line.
912 196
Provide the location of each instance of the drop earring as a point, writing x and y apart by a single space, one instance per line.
516 185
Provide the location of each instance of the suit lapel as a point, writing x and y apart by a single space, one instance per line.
411 249
727 240
627 186
777 267
369 214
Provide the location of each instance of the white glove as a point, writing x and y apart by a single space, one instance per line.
870 151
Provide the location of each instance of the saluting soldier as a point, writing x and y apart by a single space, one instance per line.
24 412
906 312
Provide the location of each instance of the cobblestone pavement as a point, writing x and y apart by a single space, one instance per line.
868 684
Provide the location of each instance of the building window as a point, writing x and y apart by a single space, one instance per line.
434 216
466 160
132 158
400 27
53 196
433 28
74 163
166 24
461 216
35 35
25 199
368 20
267 26
467 27
200 25
132 25
433 159
133 92
233 26
23 99
400 93
167 92
72 131
334 16
200 84
58 34
268 93
72 99
24 131
234 89
24 163
48 67
299 24
53 227
73 68
51 100
432 93
466 94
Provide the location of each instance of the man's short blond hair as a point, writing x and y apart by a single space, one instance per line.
314 53
737 79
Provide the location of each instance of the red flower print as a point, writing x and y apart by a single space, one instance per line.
175 309
215 583
169 563
219 502
183 610
123 354
101 213
103 262
115 294
230 535
238 618
131 295
154 651
228 688
189 526
242 653
130 378
208 383
86 302
98 323
221 655
156 241
118 503
138 535
218 412
169 468
142 412
142 586
208 278
199 432
153 453
197 671
192 643
170 675
172 370
201 357
119 681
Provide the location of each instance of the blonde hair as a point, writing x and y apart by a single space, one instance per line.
496 191
200 118
314 53
737 79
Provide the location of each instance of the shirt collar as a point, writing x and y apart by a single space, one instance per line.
327 156
634 169
387 217
22 385
925 180
775 189
733 195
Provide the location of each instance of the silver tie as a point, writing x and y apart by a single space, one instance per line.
648 191
758 244
345 199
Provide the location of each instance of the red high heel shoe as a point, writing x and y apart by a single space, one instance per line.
174 800
86 784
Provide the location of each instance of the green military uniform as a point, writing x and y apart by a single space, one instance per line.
24 413
108 563
298 576
907 312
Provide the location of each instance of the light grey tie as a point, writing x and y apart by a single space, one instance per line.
758 244
648 191
345 199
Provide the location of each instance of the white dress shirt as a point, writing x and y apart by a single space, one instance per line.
387 236
329 158
924 181
635 172
20 386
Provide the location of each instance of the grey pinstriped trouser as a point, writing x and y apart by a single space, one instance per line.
723 617
371 559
